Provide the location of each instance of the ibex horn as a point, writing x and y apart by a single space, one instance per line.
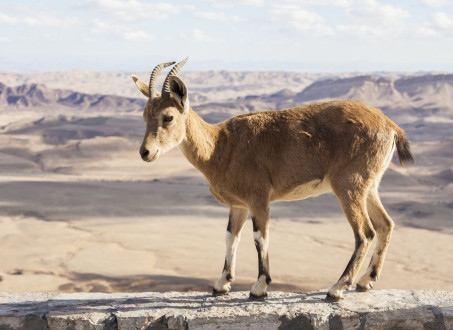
173 72
152 80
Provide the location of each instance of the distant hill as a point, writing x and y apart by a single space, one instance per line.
412 97
407 98
418 91
40 96
369 88
214 85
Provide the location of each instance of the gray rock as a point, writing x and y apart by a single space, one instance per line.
380 309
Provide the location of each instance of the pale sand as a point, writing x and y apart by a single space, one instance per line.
182 253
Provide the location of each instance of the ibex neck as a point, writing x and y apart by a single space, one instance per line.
199 143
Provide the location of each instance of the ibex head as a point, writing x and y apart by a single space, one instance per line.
165 114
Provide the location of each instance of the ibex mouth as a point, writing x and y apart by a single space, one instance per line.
147 158
154 157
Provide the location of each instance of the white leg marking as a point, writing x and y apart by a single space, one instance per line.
223 283
232 244
262 244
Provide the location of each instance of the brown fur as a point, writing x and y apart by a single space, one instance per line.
254 159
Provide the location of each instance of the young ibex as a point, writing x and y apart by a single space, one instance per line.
254 159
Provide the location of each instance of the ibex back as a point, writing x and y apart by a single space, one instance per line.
254 159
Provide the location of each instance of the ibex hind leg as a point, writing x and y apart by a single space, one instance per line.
260 220
233 235
354 207
383 226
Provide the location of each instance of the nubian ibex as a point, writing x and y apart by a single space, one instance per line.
254 159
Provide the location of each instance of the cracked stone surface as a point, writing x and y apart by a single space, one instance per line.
380 309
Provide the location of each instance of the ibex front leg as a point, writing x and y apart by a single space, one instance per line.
233 235
261 235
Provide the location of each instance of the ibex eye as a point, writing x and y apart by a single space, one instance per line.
168 119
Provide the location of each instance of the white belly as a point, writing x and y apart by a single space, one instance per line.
309 189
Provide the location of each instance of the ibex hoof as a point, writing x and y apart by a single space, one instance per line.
216 293
255 297
330 298
360 288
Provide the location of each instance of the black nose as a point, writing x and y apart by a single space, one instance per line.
145 153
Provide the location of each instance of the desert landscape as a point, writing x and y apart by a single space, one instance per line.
80 210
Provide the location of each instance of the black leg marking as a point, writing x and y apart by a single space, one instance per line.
350 263
261 268
227 270
373 273
255 225
229 224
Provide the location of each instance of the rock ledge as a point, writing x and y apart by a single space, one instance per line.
381 309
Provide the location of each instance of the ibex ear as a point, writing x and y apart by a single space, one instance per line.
144 88
179 91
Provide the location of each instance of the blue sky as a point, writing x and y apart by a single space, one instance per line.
289 35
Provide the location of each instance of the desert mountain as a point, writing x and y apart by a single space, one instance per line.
218 94
373 89
216 85
433 92
407 99
40 96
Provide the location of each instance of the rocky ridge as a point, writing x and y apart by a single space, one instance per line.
40 96
431 93
416 96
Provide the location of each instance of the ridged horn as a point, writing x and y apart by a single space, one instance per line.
152 80
173 72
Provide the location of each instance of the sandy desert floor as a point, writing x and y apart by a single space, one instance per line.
89 215
186 253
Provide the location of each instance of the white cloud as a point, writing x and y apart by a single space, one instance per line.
440 26
303 21
131 10
373 19
99 27
231 3
321 3
137 35
214 16
362 31
427 31
38 19
199 36
107 28
442 20
372 12
437 3
4 39
365 18
268 3
10 20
